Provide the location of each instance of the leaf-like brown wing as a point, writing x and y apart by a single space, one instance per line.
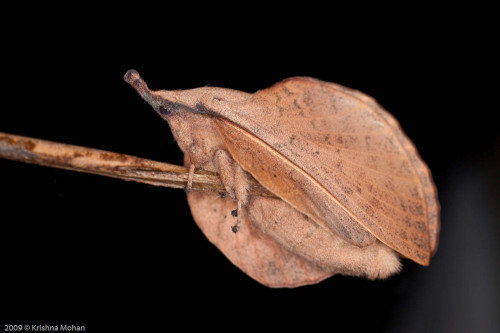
292 184
421 168
339 158
253 251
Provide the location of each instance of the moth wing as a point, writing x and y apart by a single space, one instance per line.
291 183
253 251
430 192
339 158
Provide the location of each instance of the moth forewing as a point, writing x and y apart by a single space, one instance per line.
352 150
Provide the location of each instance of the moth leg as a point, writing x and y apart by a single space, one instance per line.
235 181
189 185
241 193
237 213
225 166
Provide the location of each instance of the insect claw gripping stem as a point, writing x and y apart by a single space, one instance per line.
189 185
237 213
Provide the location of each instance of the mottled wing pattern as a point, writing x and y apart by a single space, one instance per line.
250 249
355 157
430 192
289 182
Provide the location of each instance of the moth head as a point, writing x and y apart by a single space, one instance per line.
202 101
165 103
184 110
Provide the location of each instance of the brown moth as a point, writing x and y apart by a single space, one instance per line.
352 193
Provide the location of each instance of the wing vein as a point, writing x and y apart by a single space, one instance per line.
331 116
390 156
346 133
382 200
379 188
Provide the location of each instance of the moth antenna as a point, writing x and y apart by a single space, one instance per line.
134 79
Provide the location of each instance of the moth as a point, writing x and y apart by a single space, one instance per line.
352 195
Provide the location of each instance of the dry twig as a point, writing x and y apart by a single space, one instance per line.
110 164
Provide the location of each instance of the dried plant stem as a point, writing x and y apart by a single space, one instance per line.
110 164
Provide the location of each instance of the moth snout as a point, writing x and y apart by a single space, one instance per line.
134 79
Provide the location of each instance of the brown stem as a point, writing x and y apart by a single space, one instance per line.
110 164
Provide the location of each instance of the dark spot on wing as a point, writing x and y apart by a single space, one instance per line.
202 108
417 209
420 225
347 190
296 104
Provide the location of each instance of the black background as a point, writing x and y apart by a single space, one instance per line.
87 250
